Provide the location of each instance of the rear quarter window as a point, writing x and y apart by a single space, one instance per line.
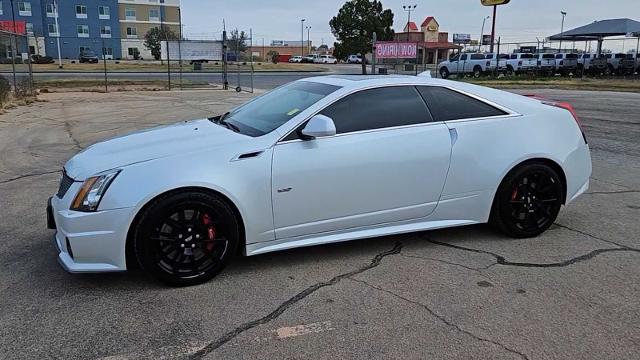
446 105
477 57
548 56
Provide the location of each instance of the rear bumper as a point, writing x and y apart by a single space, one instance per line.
89 242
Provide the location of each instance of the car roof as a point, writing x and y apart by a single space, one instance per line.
350 83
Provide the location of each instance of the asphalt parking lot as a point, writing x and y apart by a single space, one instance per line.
459 293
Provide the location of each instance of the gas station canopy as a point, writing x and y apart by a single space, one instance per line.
599 30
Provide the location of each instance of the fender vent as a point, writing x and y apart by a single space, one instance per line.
249 155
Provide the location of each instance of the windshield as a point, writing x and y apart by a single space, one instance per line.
88 53
269 111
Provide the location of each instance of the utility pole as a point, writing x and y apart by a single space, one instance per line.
563 13
482 32
55 16
309 39
302 43
15 48
409 9
493 28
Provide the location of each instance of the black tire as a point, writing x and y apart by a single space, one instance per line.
609 71
477 72
186 238
444 73
510 71
528 201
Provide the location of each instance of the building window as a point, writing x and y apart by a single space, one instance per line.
1 10
51 11
132 32
83 30
154 15
104 12
130 13
105 31
133 52
81 11
32 50
29 28
53 30
24 8
107 51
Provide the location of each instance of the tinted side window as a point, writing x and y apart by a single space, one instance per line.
378 108
448 105
514 56
477 57
463 57
559 56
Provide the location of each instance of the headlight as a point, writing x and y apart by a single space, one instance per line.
92 190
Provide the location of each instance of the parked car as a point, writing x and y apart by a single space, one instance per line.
326 59
88 56
592 64
476 64
546 63
613 63
628 65
354 59
310 59
276 178
502 63
521 62
567 63
296 59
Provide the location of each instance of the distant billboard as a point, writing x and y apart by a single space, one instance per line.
494 2
486 39
192 50
8 26
396 50
462 38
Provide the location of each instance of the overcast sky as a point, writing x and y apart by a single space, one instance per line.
521 20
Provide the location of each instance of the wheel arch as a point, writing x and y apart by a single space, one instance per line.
130 257
539 160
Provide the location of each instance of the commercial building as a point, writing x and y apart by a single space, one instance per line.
433 45
138 16
115 28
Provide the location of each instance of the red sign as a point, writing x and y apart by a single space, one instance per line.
20 27
396 50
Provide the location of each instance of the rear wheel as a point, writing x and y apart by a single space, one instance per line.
528 201
477 72
510 71
186 238
444 73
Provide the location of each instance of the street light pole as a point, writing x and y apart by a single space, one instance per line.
409 9
55 16
482 32
563 13
309 39
15 48
302 30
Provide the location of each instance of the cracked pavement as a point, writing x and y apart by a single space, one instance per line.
457 293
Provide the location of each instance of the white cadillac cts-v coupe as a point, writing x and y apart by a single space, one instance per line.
317 161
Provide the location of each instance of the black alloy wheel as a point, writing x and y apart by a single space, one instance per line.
528 201
186 238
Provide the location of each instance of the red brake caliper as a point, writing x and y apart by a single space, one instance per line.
514 194
211 232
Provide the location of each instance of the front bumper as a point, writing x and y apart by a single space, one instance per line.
89 242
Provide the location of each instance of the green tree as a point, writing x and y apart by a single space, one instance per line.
238 41
355 24
154 36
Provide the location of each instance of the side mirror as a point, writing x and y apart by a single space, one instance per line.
318 126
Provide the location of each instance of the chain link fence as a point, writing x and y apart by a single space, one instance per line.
107 63
16 76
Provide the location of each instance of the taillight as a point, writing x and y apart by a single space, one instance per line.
519 63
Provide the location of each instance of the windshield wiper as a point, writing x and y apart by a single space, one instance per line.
229 125
220 121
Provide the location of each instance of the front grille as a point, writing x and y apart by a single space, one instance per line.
65 184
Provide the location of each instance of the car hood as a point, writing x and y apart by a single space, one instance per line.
151 144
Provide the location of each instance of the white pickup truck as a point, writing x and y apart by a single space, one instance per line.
521 62
476 64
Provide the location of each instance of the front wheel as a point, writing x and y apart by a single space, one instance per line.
444 73
186 238
528 201
477 72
